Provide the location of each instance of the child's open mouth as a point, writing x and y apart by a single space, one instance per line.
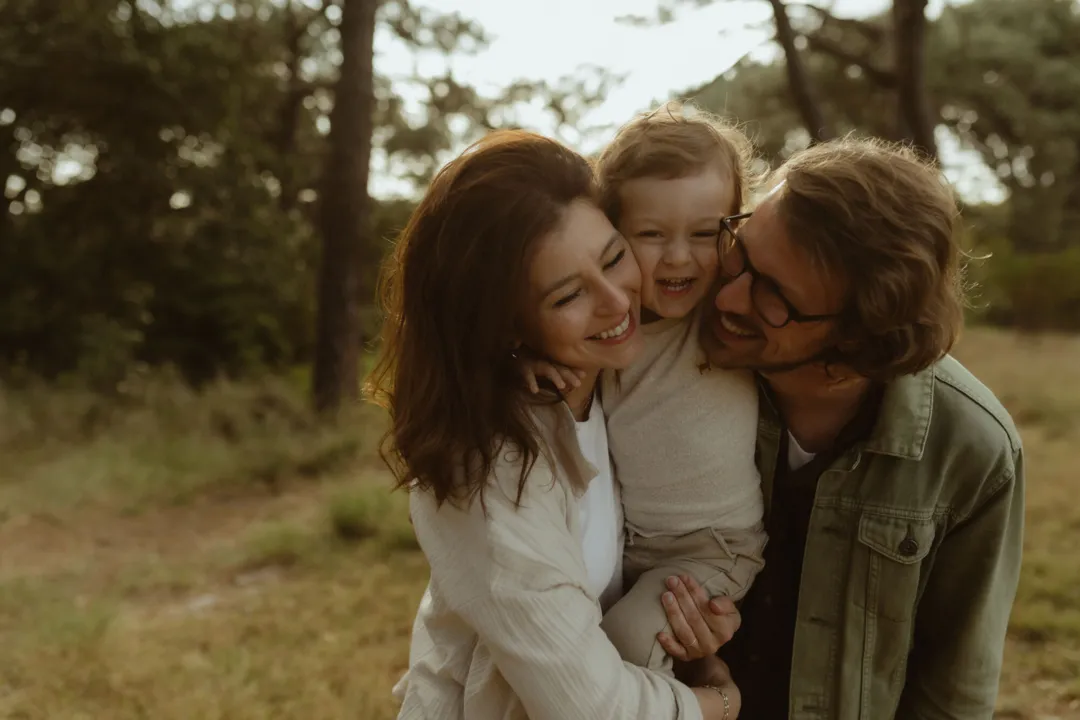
675 287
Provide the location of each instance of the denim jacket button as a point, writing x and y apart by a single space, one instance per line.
908 547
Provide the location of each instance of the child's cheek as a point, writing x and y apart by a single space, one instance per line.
709 262
647 257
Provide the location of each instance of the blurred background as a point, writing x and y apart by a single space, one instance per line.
194 522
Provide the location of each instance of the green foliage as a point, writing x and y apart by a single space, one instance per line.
158 441
279 544
357 515
1003 76
365 511
160 164
1034 291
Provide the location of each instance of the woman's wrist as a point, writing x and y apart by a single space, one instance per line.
717 702
724 695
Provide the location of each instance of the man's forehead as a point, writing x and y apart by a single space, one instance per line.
773 251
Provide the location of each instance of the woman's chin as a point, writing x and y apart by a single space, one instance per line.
622 356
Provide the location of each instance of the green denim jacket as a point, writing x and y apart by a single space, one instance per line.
912 557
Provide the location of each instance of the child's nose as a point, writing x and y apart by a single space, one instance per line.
677 252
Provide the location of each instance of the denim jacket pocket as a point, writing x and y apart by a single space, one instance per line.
895 547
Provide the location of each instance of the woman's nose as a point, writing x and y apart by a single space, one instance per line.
614 300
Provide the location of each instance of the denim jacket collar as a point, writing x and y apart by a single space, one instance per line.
903 423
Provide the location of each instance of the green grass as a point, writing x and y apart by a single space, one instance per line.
161 443
176 555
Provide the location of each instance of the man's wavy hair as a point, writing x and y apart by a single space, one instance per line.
882 218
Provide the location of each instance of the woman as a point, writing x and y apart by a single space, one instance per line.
512 498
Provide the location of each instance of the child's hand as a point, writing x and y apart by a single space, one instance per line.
700 625
532 368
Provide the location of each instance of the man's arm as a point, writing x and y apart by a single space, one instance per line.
963 616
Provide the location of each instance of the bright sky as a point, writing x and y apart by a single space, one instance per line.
548 40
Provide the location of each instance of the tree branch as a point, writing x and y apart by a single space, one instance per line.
318 14
798 80
870 31
881 77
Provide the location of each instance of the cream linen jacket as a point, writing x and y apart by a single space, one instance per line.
507 628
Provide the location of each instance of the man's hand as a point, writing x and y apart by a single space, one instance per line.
700 625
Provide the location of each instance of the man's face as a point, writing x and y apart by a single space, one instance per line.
735 335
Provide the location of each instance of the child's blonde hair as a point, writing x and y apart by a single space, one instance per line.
673 141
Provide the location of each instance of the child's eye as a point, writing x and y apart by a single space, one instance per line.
650 234
706 233
615 260
567 299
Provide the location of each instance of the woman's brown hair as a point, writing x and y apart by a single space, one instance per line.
451 293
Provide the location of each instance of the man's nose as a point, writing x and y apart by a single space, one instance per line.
735 296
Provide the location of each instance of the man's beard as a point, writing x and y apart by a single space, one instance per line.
828 354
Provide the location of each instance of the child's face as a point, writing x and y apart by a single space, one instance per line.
672 226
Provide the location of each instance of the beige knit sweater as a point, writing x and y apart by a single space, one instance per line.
682 438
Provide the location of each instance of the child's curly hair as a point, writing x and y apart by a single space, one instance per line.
675 140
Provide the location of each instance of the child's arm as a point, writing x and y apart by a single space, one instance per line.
533 367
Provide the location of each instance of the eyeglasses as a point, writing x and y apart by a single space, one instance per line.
768 301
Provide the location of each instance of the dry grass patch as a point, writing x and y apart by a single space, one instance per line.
297 603
158 442
1038 380
315 642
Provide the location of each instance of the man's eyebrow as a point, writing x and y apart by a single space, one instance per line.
563 282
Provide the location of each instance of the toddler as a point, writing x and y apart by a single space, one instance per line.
681 434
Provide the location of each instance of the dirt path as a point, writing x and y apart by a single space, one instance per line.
95 542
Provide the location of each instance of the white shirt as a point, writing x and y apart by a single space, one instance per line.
796 456
600 512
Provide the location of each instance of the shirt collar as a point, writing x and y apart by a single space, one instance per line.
903 423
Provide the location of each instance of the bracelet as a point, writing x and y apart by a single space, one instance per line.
723 694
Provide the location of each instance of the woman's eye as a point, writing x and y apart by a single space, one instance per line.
615 260
567 299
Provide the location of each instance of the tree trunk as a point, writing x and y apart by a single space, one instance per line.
284 139
798 80
909 40
345 208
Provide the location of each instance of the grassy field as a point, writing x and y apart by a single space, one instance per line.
177 556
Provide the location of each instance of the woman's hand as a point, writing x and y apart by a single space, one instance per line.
532 368
714 688
700 625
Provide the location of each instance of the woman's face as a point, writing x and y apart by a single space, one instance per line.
582 303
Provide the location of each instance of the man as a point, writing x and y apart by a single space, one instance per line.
893 479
